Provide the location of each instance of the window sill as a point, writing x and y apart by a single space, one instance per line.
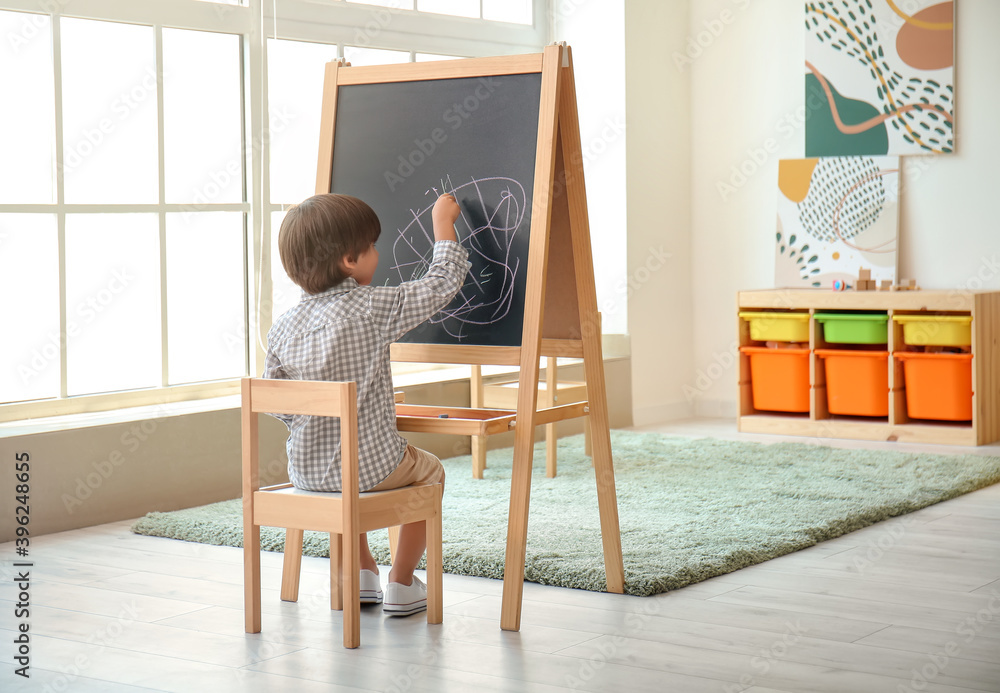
614 348
67 422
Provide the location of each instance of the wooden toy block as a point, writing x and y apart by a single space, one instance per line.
864 274
886 285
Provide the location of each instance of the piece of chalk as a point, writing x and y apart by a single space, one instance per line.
442 416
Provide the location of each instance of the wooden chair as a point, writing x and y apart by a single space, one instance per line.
344 515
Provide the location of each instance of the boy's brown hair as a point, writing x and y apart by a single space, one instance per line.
319 233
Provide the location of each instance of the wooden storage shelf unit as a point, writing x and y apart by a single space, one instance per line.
982 306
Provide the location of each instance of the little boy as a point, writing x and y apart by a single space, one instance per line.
341 331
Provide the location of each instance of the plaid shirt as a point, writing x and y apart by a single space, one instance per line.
344 334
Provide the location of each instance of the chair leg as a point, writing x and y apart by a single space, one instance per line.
351 567
336 572
588 443
393 542
251 577
291 569
435 593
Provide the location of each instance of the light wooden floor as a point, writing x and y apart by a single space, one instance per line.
912 604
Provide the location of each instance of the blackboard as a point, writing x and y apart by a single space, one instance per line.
398 145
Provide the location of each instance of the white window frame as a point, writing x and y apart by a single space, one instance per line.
338 22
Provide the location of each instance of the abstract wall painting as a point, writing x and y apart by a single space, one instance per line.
879 77
835 216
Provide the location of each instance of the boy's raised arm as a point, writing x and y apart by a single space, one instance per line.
444 214
400 309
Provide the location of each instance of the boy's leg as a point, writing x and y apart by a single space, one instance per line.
416 467
371 588
412 543
367 561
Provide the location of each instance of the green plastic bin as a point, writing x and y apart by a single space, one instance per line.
854 328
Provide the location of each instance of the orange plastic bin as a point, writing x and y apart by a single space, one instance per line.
779 378
857 382
938 386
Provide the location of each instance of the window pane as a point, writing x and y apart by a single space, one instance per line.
202 130
374 56
396 4
459 8
295 95
425 57
109 112
27 160
113 300
284 292
517 11
29 283
206 329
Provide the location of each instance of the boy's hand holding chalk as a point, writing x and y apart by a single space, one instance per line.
444 214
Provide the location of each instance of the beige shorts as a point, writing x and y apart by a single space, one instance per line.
417 467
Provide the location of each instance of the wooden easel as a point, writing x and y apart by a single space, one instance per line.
560 306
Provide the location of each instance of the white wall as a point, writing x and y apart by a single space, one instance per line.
596 33
746 91
658 175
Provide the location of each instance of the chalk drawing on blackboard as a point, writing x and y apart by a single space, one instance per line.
490 226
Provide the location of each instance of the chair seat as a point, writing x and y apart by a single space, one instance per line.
289 490
294 508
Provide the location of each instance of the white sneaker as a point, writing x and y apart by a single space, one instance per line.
403 600
371 589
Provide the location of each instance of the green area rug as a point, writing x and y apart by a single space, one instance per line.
689 509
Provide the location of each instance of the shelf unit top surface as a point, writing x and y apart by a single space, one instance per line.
799 299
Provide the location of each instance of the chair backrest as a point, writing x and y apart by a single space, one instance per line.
306 397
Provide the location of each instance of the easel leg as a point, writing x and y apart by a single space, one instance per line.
478 456
551 441
531 341
590 329
551 388
517 522
477 397
604 470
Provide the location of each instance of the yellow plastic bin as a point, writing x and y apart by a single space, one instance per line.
936 330
772 326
